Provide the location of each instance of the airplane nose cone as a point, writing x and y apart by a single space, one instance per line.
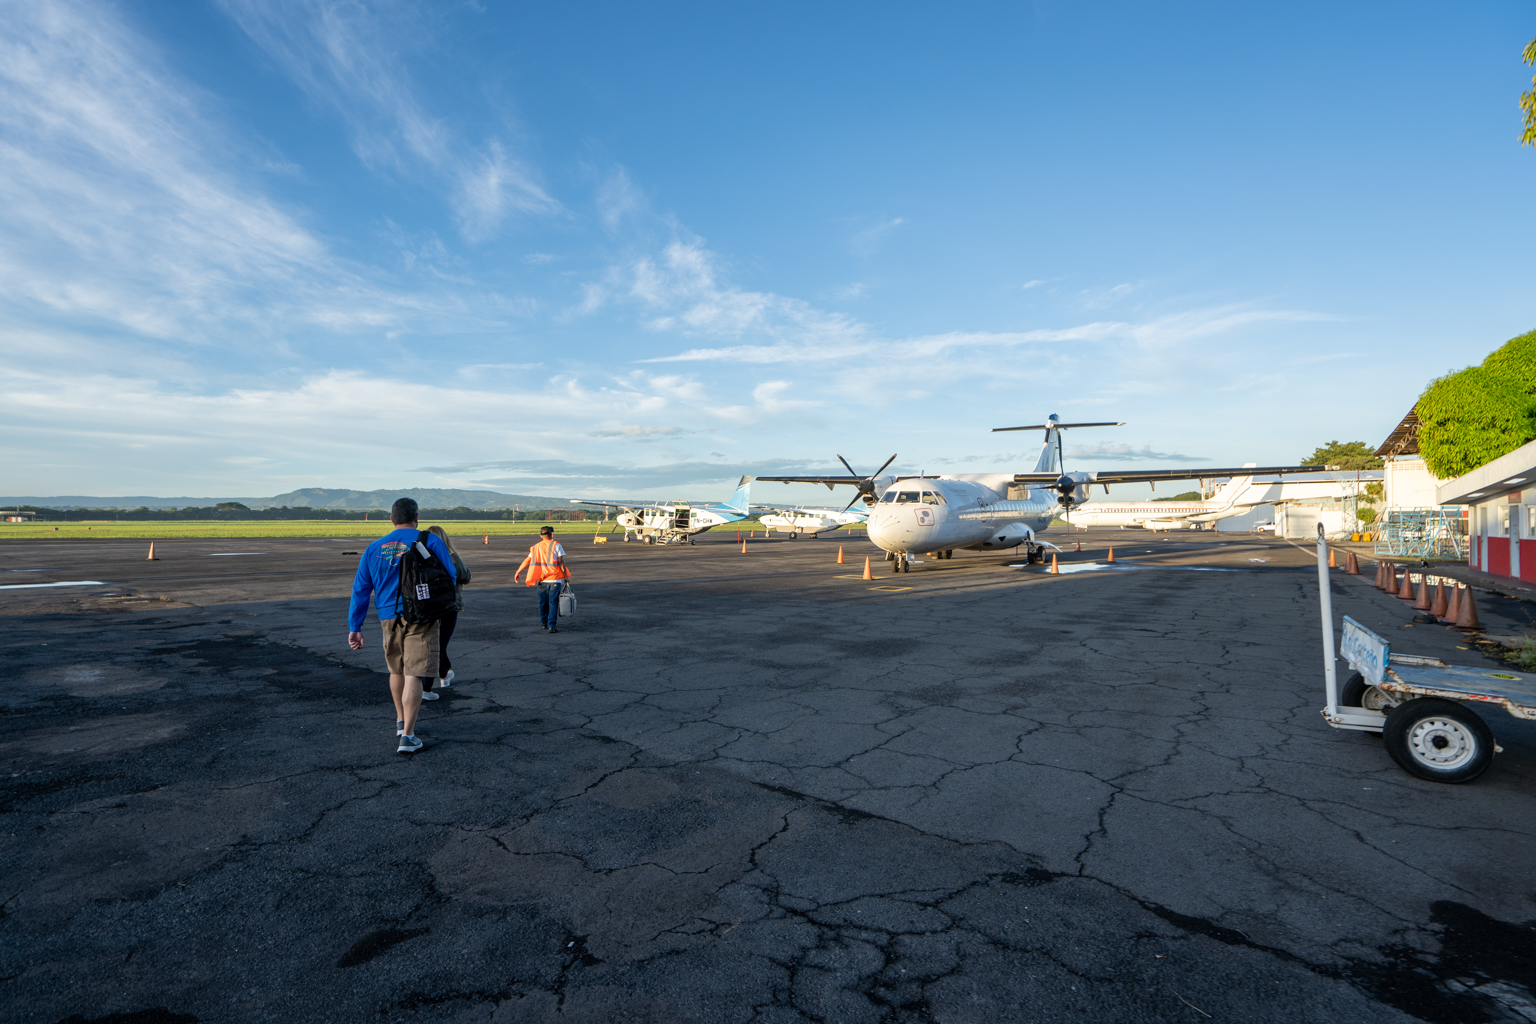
878 526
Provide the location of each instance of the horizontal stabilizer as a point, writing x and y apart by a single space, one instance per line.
1058 426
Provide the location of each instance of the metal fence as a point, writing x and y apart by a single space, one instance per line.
1422 533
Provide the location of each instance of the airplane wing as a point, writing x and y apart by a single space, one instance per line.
1153 475
622 504
828 481
810 510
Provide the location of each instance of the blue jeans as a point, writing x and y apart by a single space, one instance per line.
549 601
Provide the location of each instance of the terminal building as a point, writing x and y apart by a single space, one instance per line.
1501 499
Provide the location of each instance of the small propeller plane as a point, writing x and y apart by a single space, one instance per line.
989 511
798 520
677 522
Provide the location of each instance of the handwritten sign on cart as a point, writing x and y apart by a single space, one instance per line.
1365 651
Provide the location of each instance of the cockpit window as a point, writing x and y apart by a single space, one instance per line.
933 498
909 497
888 496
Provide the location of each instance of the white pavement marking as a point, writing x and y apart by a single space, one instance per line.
66 583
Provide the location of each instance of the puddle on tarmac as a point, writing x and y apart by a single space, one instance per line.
1064 570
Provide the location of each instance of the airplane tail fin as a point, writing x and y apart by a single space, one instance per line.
1050 452
741 501
1233 489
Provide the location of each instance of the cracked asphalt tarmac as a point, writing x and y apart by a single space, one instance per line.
740 788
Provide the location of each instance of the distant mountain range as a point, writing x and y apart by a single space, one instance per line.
311 497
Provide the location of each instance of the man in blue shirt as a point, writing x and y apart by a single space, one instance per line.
410 649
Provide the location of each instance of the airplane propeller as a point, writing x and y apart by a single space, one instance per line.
865 484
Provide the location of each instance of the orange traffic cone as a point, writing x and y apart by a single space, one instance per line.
867 574
743 547
1111 552
1333 559
1466 614
1079 545
839 554
487 539
1422 601
1054 571
152 557
1405 592
1351 564
1452 604
1437 606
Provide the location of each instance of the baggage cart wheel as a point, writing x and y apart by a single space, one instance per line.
1357 693
1438 740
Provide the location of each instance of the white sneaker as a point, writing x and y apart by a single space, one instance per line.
447 680
428 695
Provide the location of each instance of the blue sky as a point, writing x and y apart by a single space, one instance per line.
641 249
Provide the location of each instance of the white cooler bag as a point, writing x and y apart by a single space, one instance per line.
567 601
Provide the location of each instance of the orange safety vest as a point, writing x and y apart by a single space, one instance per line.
542 565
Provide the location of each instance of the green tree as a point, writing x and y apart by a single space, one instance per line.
1345 455
1471 417
1528 100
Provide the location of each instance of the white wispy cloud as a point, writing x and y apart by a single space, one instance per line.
345 56
859 341
1126 453
113 207
637 431
865 241
679 289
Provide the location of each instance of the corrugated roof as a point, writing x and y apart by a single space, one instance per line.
1404 440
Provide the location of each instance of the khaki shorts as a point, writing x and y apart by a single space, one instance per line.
410 649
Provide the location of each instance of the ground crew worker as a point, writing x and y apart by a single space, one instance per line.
546 570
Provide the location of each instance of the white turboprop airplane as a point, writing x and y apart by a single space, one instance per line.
1231 500
678 522
796 520
921 514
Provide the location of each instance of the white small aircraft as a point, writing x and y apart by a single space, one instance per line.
990 511
797 521
677 522
1231 500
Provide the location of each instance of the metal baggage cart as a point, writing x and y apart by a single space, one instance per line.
1417 704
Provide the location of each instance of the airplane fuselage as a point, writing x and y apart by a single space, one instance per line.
1169 515
915 516
676 524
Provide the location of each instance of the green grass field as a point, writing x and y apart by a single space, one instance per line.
108 530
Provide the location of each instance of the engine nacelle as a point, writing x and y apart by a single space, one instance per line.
1010 536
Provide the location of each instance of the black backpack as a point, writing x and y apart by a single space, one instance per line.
426 587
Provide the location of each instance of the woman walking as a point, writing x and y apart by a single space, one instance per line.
448 621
